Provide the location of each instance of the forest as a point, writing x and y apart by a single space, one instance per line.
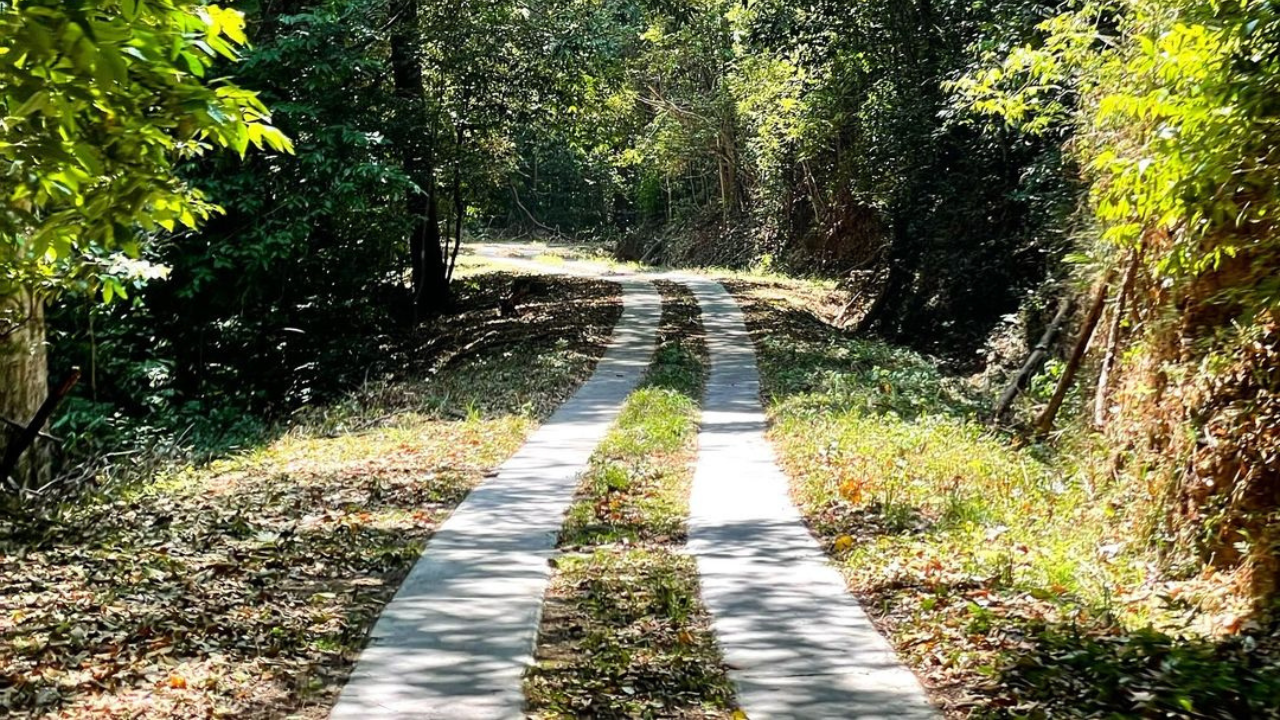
1009 268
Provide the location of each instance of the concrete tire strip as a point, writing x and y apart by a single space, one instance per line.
797 644
457 637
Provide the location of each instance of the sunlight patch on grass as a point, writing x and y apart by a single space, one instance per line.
637 485
992 564
549 259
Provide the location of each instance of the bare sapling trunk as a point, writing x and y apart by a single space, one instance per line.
24 384
1113 342
727 169
1044 423
1036 359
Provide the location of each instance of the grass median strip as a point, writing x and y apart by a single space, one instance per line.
624 634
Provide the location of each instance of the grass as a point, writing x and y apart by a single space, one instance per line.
1002 573
624 634
245 587
636 488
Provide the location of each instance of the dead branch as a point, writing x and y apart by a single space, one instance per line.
18 445
1113 342
1037 357
1044 423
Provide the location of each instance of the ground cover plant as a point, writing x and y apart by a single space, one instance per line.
245 587
624 634
995 565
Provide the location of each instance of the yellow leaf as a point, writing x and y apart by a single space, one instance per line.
843 543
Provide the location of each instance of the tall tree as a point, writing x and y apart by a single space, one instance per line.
99 100
418 138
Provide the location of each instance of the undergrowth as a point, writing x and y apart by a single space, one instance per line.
998 567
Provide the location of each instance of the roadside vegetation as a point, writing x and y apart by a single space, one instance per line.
1009 573
227 232
244 587
624 634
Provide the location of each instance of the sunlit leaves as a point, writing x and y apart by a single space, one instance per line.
97 103
1172 121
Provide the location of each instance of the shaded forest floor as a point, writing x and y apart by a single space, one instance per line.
245 587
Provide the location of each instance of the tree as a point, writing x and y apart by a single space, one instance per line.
819 134
261 306
100 99
1171 106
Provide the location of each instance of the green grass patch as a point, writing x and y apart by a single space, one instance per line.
637 485
1002 574
624 634
246 586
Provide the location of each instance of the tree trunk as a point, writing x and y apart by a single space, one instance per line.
724 187
1113 342
880 315
1044 423
459 204
426 256
884 316
433 294
24 381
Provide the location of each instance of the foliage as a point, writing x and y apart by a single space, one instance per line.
297 290
100 101
268 298
1173 111
1176 122
818 134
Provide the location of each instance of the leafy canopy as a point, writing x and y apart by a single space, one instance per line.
99 99
1174 107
